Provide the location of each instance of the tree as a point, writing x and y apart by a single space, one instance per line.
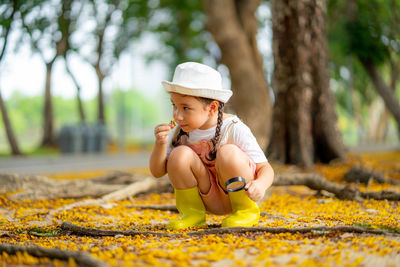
180 27
370 34
115 27
304 123
9 9
234 27
45 33
67 23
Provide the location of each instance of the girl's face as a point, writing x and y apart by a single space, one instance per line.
190 113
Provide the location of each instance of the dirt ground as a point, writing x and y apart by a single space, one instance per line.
28 223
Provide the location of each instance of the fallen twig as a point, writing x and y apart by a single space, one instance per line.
81 258
79 230
317 182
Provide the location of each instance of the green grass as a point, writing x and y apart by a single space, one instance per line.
37 231
38 151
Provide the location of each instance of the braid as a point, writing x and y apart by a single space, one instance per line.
177 141
213 153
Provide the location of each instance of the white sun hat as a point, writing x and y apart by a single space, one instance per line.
197 79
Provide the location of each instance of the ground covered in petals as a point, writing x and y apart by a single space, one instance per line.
27 223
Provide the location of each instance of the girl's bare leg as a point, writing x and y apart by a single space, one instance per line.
231 161
188 175
186 170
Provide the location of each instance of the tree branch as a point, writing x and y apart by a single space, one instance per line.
388 95
81 258
317 182
79 230
84 231
358 174
7 30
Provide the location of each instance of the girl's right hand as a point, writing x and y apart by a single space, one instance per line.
161 133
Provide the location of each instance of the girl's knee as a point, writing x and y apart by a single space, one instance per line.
229 154
179 157
231 161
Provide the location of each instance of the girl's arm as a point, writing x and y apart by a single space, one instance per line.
263 180
158 158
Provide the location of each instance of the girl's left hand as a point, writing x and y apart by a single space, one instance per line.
255 190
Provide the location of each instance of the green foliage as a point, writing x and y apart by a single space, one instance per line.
6 11
180 27
134 18
38 231
365 33
109 35
367 29
362 29
25 112
38 24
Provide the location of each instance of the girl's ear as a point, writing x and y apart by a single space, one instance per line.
213 107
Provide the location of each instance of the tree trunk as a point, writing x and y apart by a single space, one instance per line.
234 27
100 74
100 78
48 130
304 122
7 124
82 115
9 131
78 92
388 94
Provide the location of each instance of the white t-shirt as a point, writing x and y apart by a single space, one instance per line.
242 137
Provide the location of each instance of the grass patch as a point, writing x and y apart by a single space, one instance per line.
37 231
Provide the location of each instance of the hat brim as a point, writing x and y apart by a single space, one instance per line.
221 95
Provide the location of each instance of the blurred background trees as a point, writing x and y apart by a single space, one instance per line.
364 40
7 17
361 50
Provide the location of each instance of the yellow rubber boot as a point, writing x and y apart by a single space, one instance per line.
191 207
245 212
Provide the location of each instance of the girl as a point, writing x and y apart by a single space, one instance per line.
207 148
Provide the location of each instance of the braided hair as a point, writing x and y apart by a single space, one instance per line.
213 153
177 141
215 140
